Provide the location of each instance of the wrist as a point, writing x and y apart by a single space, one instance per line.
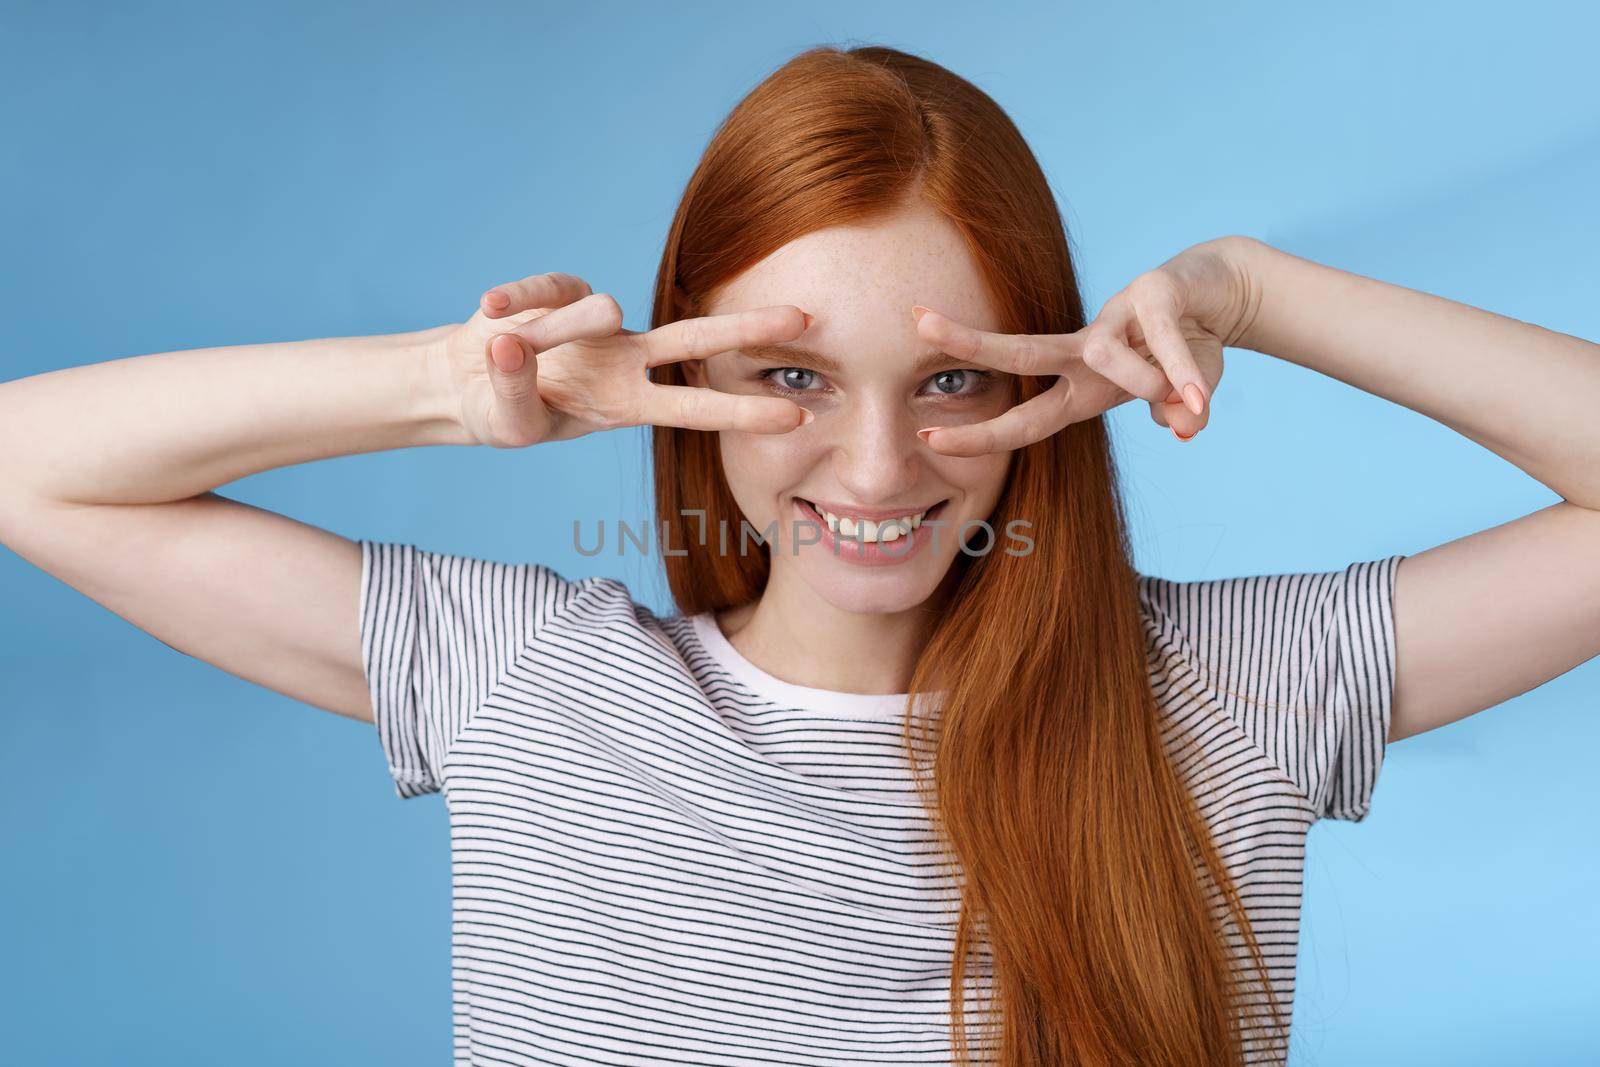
435 396
1252 263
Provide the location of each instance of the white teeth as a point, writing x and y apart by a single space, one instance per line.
868 530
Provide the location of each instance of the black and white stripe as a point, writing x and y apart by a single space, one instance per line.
662 855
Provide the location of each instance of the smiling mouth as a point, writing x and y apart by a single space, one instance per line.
909 522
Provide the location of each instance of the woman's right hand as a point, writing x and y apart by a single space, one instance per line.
546 359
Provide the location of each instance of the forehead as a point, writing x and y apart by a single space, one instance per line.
869 273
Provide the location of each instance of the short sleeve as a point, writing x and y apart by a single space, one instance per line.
438 634
1303 663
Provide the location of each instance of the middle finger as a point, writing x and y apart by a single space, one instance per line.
707 335
1032 420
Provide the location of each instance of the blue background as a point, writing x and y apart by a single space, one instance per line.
199 870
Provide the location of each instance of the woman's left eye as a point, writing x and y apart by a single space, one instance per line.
795 379
979 380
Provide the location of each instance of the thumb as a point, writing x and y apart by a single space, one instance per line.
519 415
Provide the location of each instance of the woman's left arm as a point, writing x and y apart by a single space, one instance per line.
1487 617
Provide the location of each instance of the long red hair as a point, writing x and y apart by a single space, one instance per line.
1087 869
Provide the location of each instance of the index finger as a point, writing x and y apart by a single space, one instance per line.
697 407
705 336
1020 353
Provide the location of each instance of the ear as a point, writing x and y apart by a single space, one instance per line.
694 372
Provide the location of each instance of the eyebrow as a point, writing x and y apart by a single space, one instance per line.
796 355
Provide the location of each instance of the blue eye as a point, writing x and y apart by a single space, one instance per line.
979 377
795 379
789 385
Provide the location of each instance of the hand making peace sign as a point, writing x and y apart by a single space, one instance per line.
546 359
1159 339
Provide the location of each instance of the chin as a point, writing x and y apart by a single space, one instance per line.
868 590
873 602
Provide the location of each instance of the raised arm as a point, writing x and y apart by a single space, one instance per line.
107 470
1478 620
105 478
1486 617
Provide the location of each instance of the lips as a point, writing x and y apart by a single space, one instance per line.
852 530
820 509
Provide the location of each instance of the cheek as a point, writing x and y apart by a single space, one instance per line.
759 466
981 478
764 455
981 409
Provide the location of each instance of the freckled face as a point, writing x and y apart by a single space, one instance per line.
859 282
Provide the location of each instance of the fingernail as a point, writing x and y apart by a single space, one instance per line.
515 357
496 299
917 311
807 316
1180 436
927 430
1192 397
806 416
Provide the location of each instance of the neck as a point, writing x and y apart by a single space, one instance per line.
794 635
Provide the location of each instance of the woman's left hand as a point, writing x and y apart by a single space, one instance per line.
1160 340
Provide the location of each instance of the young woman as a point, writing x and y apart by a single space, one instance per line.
871 795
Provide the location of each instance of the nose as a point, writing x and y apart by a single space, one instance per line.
877 455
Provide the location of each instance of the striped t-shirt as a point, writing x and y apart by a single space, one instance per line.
661 854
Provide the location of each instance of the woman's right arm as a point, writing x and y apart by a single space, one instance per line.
106 472
107 469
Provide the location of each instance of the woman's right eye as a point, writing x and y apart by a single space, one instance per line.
791 379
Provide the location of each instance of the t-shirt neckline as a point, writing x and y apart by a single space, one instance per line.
829 702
